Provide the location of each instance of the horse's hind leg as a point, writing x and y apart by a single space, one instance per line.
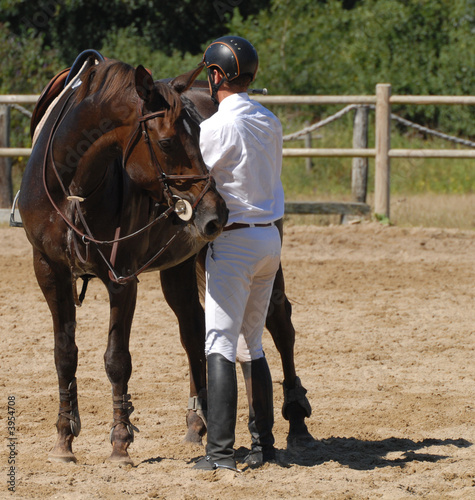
56 284
118 365
296 406
181 292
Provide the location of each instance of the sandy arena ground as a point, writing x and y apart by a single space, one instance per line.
385 321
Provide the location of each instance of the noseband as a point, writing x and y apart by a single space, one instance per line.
180 206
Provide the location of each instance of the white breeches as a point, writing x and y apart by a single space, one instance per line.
240 271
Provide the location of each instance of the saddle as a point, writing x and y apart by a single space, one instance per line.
58 83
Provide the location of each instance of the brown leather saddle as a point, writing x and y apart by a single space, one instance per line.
57 84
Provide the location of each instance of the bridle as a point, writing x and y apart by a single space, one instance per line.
164 178
180 206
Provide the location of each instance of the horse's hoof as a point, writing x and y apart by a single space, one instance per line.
196 428
64 458
120 460
299 438
301 442
193 437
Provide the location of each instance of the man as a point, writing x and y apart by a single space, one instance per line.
242 147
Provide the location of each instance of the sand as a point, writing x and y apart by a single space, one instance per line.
385 321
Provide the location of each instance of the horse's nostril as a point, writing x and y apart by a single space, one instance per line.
212 227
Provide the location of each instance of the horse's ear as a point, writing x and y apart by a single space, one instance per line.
184 82
143 83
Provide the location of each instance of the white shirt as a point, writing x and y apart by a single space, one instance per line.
241 145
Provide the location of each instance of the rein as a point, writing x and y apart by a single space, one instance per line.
182 207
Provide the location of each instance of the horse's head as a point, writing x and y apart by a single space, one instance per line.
163 155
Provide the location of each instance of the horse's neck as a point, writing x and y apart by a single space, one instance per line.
94 146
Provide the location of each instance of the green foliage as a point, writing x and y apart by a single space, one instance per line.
25 69
305 47
419 46
331 177
25 66
128 45
72 26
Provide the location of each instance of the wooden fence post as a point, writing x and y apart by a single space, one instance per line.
359 169
383 145
308 144
6 188
308 160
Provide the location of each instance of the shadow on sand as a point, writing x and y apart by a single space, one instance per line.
354 453
367 455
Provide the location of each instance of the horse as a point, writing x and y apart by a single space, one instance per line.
115 186
179 282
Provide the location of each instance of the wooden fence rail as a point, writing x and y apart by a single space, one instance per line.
382 151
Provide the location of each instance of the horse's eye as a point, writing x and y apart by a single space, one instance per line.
165 144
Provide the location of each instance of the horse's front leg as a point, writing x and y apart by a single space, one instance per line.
56 284
118 365
296 406
181 292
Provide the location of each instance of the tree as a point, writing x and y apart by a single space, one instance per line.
419 46
166 25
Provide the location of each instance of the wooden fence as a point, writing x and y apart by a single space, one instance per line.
382 151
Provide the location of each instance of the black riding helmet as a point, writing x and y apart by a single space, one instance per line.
233 56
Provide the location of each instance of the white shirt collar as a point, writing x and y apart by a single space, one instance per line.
231 100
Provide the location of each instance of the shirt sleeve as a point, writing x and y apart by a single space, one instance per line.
209 145
218 145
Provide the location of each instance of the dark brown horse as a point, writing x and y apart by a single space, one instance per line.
115 185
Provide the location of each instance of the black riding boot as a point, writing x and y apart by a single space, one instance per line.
261 411
222 404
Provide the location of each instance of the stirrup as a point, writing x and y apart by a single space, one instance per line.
13 221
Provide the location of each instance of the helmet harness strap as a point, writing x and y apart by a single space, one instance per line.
214 86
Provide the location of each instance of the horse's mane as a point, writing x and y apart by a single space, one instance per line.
174 104
116 79
192 109
111 78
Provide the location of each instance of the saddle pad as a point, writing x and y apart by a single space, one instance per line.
53 93
50 92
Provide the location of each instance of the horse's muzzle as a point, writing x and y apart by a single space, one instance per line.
211 215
